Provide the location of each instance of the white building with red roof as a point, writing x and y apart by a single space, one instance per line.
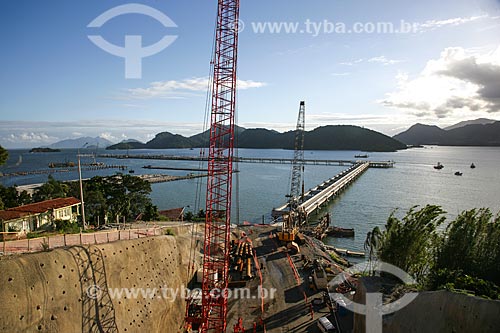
27 218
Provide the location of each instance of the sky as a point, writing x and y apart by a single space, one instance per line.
383 65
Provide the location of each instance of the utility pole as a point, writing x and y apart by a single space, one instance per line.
81 187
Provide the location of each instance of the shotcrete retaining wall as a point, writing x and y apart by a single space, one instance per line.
48 291
434 311
444 311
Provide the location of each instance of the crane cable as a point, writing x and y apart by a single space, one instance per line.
199 180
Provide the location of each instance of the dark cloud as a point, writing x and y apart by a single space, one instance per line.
485 75
422 114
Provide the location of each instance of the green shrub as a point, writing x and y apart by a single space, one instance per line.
66 227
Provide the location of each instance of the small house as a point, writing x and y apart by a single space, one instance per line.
27 218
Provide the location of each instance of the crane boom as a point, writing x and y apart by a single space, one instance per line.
298 158
293 219
220 158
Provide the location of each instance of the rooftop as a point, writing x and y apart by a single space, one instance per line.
44 206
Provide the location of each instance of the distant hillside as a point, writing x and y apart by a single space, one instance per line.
469 135
127 144
168 140
479 121
322 138
80 142
420 134
347 137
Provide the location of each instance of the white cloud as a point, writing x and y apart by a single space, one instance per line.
459 83
384 61
29 137
379 59
182 88
21 134
436 24
341 74
351 63
108 136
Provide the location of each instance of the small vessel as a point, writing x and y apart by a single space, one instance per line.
340 232
131 171
472 166
438 166
361 156
66 164
458 173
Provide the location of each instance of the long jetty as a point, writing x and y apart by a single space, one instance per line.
62 170
373 164
318 196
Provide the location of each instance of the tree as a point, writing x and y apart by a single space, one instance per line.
410 243
188 216
471 246
127 195
150 212
95 207
10 197
52 189
201 214
4 155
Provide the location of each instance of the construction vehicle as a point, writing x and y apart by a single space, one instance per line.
293 219
209 314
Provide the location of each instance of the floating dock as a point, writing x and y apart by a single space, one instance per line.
316 197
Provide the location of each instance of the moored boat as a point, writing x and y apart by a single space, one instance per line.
340 232
438 166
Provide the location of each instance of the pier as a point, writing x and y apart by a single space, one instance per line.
61 170
151 167
373 164
153 179
318 196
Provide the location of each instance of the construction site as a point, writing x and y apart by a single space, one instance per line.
247 278
279 275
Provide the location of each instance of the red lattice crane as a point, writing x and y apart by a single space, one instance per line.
212 315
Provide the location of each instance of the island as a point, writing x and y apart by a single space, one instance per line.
44 150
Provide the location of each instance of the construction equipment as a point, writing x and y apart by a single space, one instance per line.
212 317
294 218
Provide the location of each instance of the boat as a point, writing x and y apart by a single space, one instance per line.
458 173
438 166
472 166
340 232
361 156
131 171
53 165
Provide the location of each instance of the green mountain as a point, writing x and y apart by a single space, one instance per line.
341 137
479 121
420 134
469 135
127 144
347 137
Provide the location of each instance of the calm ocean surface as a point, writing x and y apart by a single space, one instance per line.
365 204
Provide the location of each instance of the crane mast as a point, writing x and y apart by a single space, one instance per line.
220 169
298 158
293 219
